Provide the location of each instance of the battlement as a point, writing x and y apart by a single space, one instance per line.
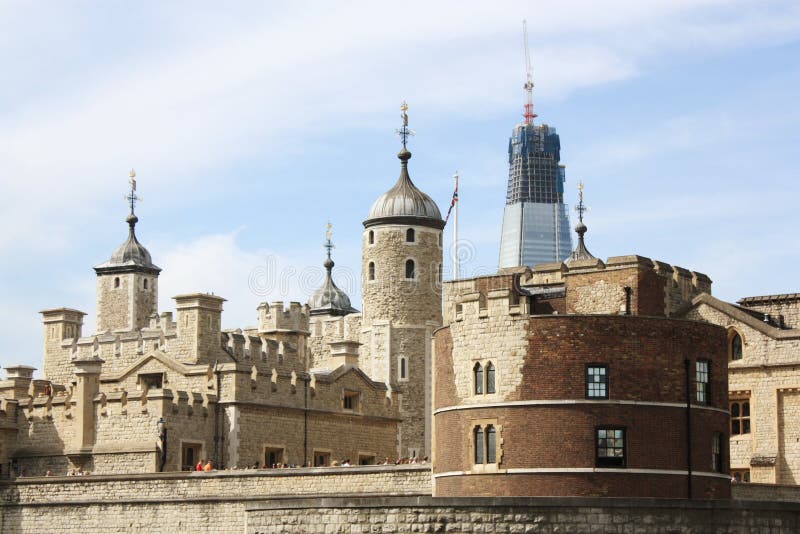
632 285
275 318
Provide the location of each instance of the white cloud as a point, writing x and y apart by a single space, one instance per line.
217 264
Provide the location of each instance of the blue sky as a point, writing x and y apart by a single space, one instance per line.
251 126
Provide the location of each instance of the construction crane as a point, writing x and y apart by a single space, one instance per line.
529 114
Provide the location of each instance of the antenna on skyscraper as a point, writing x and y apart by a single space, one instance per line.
529 114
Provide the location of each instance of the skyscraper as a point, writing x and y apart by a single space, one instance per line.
535 220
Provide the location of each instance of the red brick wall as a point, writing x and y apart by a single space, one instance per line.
645 357
589 485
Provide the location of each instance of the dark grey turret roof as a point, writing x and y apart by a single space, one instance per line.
129 256
329 299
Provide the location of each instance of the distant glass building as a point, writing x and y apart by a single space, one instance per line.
535 220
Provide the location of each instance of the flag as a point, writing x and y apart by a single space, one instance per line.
452 203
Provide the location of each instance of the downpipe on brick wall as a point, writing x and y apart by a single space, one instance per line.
217 407
687 364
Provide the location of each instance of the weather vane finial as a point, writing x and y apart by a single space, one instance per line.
328 243
581 208
405 132
131 197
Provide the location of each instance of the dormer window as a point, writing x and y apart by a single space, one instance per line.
151 381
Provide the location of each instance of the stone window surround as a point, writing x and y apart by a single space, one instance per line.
413 240
732 332
347 395
268 447
498 454
400 359
741 397
322 452
405 269
193 442
484 363
366 454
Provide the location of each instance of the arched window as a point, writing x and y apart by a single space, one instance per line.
490 377
371 270
371 237
478 372
736 347
409 269
403 370
145 283
491 445
116 282
439 273
410 235
478 445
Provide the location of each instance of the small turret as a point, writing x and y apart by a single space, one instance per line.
127 284
329 299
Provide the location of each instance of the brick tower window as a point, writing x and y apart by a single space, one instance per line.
716 452
145 283
491 445
477 372
371 271
410 235
736 347
403 368
596 381
116 282
410 269
702 379
610 447
490 377
371 238
740 417
478 438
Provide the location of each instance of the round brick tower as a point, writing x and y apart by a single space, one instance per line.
401 263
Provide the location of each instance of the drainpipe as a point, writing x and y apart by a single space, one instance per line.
217 418
305 421
687 363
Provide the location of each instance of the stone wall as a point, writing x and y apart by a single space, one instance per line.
424 514
183 502
768 378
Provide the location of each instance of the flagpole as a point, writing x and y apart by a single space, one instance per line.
456 270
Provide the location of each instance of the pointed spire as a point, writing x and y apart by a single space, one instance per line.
580 252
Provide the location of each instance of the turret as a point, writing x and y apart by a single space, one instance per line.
402 296
127 284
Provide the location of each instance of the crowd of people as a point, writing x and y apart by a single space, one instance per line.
208 465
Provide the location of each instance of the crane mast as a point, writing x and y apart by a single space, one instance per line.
529 114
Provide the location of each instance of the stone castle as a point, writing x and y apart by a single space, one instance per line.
309 385
578 379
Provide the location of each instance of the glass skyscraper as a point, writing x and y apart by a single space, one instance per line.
535 220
